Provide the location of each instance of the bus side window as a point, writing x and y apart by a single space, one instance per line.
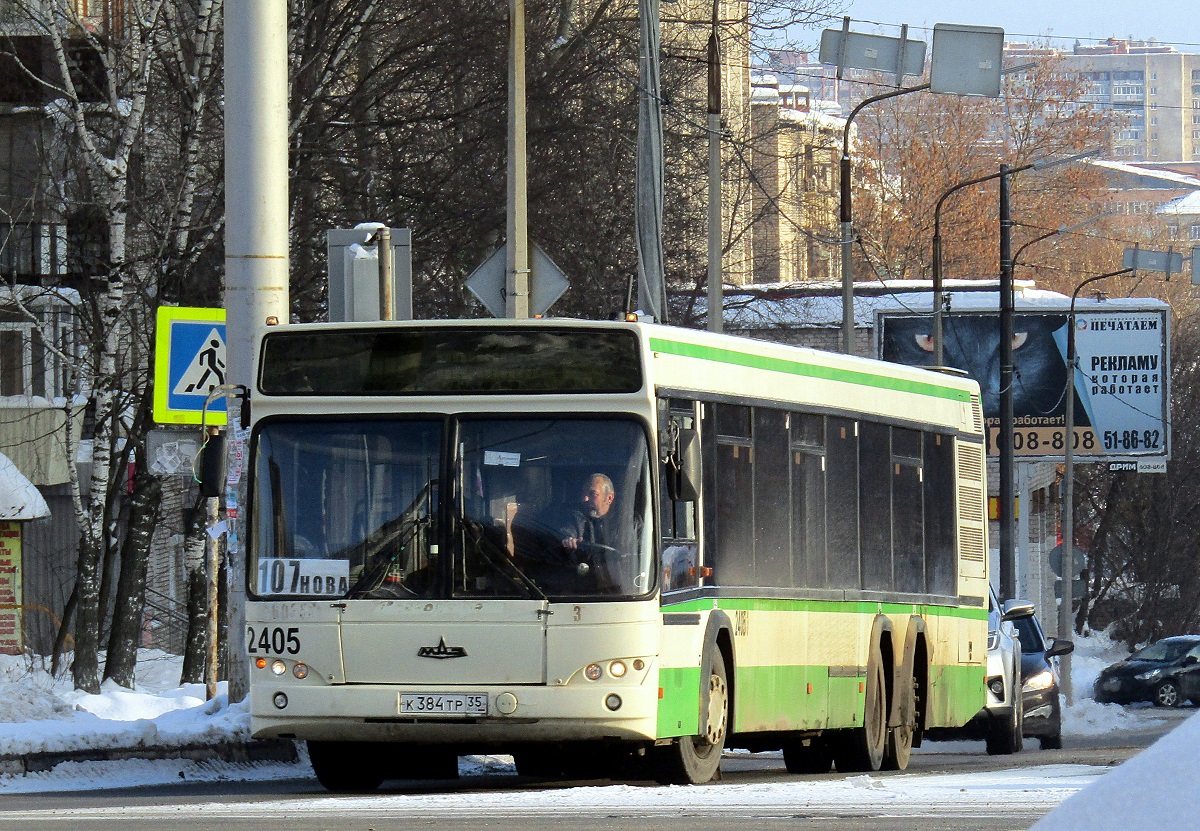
680 549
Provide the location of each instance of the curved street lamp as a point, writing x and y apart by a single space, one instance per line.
1065 624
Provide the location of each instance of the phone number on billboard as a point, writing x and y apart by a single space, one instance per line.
1132 440
1045 441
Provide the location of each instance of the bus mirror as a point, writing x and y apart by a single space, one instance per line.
684 477
211 466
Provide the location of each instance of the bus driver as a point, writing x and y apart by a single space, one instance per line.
592 525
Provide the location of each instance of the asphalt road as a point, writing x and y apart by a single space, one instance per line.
511 803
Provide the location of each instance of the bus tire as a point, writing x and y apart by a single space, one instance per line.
539 761
694 760
424 763
900 737
862 748
813 757
346 767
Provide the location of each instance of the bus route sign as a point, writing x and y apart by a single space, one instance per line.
189 360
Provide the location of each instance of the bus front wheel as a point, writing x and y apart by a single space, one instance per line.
346 767
694 760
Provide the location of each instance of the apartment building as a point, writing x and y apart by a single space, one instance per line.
1155 89
794 153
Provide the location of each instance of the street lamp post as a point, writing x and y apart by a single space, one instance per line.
846 215
938 300
1065 610
1008 564
1008 557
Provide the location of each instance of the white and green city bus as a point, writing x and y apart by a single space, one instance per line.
794 553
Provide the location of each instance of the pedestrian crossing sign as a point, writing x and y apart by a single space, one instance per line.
189 360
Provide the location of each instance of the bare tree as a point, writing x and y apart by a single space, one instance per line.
145 68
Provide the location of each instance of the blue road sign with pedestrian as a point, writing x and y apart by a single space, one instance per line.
190 361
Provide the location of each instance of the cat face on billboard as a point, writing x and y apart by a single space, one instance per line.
972 343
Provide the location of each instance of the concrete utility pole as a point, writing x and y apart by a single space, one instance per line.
716 289
256 235
516 286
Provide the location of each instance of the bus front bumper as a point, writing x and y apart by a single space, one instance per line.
370 712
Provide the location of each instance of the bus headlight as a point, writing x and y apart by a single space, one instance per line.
300 670
593 672
617 669
278 667
613 702
279 700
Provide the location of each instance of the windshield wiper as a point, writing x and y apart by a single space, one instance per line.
395 534
499 559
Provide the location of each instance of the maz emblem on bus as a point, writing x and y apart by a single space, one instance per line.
441 651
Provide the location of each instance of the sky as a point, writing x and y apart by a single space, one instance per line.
42 713
1168 21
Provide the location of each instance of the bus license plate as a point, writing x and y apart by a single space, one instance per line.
443 704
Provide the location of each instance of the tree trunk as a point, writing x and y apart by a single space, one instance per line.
125 636
86 666
64 632
194 652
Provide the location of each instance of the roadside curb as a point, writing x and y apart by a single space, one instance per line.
272 750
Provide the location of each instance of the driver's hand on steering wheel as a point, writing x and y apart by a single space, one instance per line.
572 543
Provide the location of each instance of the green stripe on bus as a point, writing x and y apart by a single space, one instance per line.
847 376
857 607
779 698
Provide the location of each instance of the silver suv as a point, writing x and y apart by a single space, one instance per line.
1002 717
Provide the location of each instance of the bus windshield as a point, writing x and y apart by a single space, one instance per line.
541 508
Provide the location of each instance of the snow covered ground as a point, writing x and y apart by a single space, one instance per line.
43 714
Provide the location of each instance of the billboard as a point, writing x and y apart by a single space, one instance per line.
1121 386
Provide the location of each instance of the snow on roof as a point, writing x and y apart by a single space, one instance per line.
779 306
38 295
1134 170
19 499
812 119
1182 205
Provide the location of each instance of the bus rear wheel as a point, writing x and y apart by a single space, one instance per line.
346 767
900 738
694 760
862 748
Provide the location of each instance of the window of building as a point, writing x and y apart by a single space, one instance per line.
1194 232
1173 231
28 364
1154 90
1154 121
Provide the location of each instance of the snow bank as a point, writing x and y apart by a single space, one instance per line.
43 714
1158 788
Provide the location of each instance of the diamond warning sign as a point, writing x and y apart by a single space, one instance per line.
189 360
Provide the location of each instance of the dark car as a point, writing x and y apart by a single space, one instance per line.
1167 672
1039 682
